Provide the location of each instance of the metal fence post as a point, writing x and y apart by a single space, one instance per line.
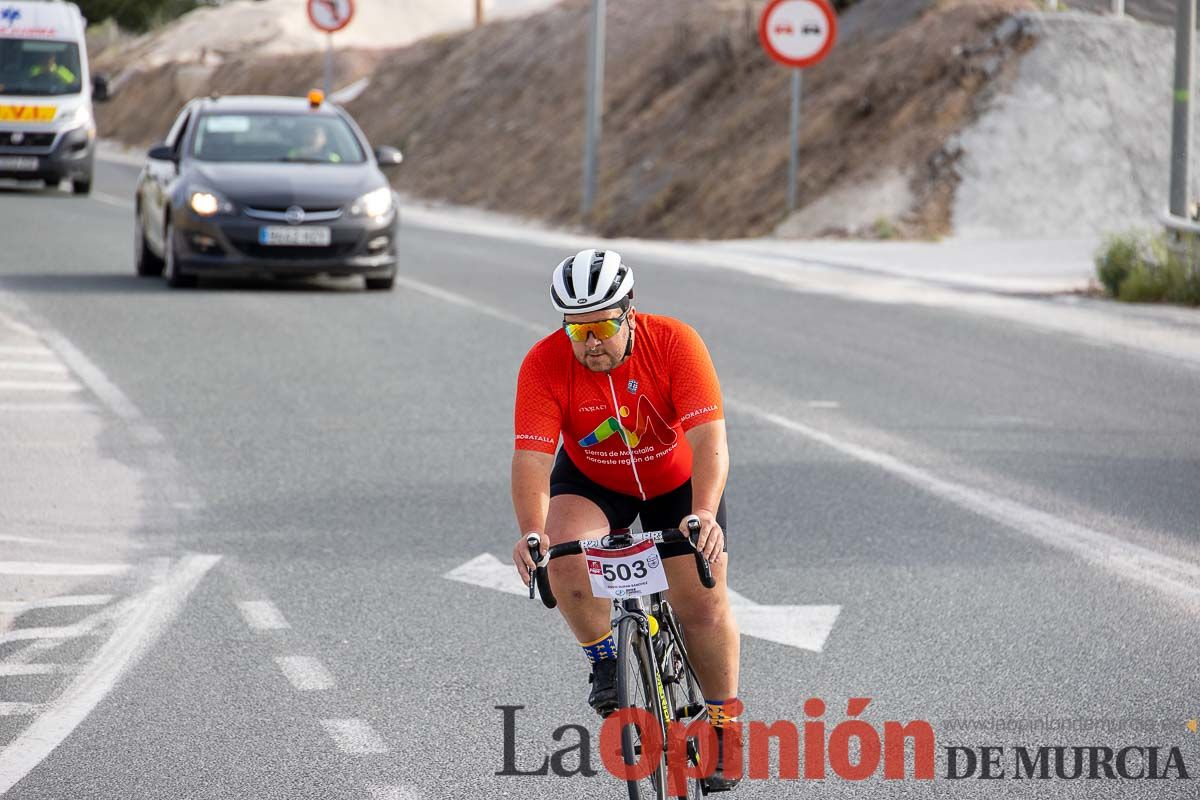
1119 8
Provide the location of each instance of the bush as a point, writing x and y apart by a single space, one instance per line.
1139 267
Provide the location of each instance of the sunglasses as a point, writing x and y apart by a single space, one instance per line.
604 329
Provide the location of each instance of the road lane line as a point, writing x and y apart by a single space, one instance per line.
262 615
62 601
1129 560
40 386
133 637
18 709
53 632
33 366
52 568
1172 575
354 736
22 350
305 673
16 670
823 404
46 408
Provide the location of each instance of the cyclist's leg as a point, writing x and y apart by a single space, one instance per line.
705 615
581 509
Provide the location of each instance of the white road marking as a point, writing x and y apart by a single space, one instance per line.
111 200
62 601
805 627
489 572
824 404
354 736
46 408
4 537
40 386
393 793
54 632
33 366
14 670
23 350
1129 560
305 673
137 631
52 568
262 615
1172 575
18 709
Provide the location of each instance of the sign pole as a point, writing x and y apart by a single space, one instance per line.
328 63
1181 125
595 99
795 159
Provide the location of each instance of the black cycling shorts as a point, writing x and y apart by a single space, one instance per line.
661 513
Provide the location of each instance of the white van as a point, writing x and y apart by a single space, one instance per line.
47 130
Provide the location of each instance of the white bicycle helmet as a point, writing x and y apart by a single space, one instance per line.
591 280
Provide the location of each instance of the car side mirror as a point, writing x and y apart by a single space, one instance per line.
100 90
161 152
388 156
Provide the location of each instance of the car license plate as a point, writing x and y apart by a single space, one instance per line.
18 163
308 236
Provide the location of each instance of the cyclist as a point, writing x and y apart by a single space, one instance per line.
636 400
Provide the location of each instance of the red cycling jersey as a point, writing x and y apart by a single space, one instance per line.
623 429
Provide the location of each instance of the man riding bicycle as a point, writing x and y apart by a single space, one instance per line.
638 405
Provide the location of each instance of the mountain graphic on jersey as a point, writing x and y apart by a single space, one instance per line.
648 421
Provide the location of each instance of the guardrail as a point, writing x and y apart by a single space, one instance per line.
1179 224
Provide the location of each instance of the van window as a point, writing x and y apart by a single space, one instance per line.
39 67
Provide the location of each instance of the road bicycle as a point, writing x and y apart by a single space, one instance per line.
653 670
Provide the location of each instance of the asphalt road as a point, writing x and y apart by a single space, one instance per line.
1006 518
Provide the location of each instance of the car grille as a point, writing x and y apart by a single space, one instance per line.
280 214
28 140
284 253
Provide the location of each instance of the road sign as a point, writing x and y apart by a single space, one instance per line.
330 15
798 33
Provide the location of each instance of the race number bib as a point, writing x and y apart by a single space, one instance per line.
633 571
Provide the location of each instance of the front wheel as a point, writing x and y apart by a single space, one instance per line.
146 263
175 277
380 284
637 689
82 185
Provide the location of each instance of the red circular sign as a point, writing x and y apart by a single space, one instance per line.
330 15
798 33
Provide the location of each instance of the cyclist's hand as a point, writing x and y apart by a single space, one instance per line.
521 556
712 539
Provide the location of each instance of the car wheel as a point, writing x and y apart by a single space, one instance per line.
82 186
381 284
148 265
175 278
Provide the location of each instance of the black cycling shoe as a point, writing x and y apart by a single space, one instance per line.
603 679
717 782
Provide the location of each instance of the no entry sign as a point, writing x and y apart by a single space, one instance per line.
330 15
798 33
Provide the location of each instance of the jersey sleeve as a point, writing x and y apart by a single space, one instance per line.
695 390
538 412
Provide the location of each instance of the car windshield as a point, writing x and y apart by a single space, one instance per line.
39 67
300 138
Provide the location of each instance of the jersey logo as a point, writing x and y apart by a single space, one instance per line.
632 386
648 419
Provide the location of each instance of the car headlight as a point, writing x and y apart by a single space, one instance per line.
373 204
207 204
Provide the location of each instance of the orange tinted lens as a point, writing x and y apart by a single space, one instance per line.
604 329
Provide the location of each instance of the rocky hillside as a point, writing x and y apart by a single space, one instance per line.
695 137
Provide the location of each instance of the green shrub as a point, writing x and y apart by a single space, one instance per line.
1139 267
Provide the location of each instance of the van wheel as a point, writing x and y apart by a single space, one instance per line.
83 186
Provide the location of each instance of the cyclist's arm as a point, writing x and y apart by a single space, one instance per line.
531 500
710 469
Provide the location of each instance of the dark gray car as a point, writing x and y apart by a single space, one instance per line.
266 186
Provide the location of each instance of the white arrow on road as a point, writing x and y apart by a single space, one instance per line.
806 627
